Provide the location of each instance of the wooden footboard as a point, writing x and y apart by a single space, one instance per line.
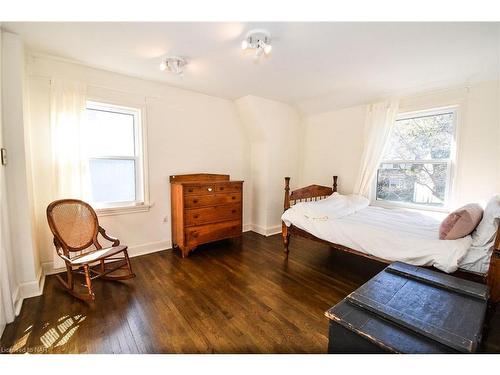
318 192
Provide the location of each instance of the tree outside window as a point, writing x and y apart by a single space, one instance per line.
416 165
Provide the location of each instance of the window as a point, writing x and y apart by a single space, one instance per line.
416 167
113 141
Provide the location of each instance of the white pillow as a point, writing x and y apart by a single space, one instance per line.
487 228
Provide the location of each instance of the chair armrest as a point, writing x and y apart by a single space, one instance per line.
59 252
115 241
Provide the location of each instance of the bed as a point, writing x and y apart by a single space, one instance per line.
385 235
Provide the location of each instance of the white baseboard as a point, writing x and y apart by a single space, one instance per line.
133 251
259 229
48 268
152 247
274 230
28 290
266 231
32 288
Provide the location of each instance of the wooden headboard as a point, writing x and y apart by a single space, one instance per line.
308 193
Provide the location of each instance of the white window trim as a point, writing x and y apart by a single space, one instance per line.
451 163
141 158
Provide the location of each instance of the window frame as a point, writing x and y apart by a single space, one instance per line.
141 203
451 162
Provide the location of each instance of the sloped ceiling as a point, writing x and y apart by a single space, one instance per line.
314 66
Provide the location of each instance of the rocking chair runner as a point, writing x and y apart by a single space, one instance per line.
75 228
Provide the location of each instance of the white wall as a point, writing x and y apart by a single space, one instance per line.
478 174
187 132
6 265
25 269
273 129
333 144
333 141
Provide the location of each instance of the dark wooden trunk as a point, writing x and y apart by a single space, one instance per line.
408 309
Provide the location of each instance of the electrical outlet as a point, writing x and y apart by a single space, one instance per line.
3 153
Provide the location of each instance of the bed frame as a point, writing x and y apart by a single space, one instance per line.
318 192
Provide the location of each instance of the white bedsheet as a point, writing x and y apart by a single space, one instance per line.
477 259
391 234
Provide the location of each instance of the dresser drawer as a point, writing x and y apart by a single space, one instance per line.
198 216
196 201
228 188
213 232
199 189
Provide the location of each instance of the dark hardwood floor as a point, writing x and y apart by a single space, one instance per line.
237 296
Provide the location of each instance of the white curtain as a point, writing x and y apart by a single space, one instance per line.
70 165
379 122
7 313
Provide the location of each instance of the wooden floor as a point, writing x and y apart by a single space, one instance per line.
236 296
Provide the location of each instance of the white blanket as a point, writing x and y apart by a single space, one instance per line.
391 234
333 207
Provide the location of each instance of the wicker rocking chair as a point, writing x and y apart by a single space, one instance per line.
75 228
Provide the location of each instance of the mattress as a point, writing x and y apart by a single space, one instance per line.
394 235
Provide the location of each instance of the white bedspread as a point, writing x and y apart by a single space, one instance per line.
391 234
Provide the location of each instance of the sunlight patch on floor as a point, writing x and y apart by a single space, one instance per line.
62 333
20 343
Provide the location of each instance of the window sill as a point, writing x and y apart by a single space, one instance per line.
110 211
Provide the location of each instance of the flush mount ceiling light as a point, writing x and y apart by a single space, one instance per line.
258 40
173 64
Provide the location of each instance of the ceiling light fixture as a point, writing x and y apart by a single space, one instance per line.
173 64
258 40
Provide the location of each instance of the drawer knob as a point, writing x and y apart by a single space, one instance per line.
233 197
209 189
233 211
190 190
196 216
221 188
195 200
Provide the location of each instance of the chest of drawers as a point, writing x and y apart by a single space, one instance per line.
205 208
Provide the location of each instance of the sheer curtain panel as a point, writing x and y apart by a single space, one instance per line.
380 119
70 165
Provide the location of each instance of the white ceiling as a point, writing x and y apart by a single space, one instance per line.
315 66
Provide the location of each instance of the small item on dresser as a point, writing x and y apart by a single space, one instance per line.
408 309
461 222
205 208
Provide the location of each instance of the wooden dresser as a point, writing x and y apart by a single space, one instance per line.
205 208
